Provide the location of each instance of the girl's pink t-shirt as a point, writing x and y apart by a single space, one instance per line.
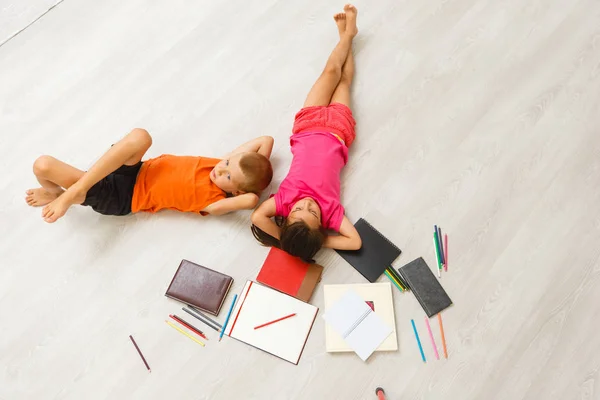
315 172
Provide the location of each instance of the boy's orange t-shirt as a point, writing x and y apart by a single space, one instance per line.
175 182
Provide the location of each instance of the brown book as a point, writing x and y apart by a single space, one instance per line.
199 286
289 274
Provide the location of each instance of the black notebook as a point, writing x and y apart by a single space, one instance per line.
431 295
376 254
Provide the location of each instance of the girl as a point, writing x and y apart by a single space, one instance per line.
308 201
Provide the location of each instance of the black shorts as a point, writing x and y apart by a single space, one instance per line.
113 194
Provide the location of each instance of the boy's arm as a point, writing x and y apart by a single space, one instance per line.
246 201
348 239
261 145
261 217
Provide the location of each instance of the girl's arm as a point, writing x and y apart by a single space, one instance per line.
261 217
348 239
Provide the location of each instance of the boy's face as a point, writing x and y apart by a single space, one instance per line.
228 175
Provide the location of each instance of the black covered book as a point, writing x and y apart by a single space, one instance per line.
425 286
376 254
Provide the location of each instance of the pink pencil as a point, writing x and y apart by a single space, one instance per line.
431 337
446 252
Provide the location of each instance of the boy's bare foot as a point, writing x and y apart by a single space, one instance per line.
40 197
340 21
351 12
59 206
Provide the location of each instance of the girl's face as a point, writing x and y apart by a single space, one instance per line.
306 210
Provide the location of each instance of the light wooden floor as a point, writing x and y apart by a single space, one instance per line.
481 116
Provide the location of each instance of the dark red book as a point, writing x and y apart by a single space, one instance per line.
289 274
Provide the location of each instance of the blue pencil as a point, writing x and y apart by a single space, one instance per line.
227 319
412 321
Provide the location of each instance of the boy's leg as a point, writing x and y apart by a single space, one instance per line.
341 93
53 175
321 92
127 151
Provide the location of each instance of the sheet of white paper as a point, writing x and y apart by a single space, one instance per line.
344 313
380 295
368 334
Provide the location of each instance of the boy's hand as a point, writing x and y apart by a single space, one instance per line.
246 201
348 239
261 145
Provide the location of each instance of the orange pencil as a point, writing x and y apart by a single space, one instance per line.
442 333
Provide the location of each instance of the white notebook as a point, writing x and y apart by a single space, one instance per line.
258 305
345 305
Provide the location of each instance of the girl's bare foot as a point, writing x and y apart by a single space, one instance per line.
351 12
40 197
340 21
59 206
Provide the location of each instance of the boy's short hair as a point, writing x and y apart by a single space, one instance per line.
258 172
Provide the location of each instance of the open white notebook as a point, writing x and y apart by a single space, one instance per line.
258 305
360 318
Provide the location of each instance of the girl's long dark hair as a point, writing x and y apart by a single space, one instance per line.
297 239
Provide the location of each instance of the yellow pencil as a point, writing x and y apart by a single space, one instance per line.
185 333
394 280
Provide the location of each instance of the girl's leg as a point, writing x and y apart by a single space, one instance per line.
321 92
53 175
341 93
127 151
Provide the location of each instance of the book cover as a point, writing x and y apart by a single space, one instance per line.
376 254
199 286
289 274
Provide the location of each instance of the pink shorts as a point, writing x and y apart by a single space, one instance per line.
335 118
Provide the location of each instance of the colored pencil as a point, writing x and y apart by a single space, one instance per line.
184 333
437 257
432 339
446 251
277 320
199 318
205 316
442 333
189 326
412 321
396 275
227 319
393 280
438 247
140 352
441 243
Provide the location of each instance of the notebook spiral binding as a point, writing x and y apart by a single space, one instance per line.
380 234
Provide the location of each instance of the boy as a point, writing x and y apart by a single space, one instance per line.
120 183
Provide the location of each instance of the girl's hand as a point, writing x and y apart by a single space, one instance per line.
348 239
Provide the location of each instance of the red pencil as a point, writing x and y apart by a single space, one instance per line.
446 252
190 327
277 320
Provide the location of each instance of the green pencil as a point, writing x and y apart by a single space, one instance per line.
393 280
396 275
437 256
